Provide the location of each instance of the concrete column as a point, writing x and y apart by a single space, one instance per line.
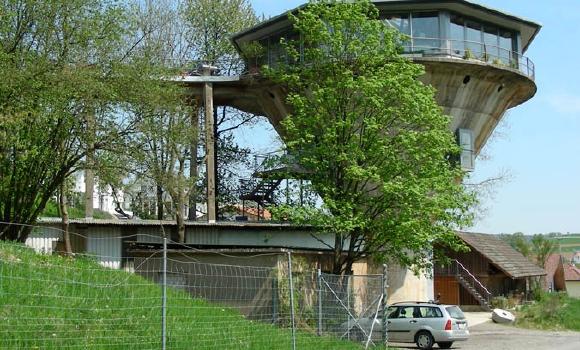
209 144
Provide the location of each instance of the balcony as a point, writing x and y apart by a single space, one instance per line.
469 50
422 47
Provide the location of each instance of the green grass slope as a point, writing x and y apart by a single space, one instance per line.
554 311
51 302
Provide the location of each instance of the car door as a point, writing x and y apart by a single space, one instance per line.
401 324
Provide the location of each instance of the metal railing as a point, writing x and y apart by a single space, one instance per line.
457 269
418 47
472 280
469 50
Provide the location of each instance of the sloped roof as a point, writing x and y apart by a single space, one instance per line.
502 255
571 273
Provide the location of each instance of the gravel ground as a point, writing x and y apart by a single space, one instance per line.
485 334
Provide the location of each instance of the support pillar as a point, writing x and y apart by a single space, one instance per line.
207 70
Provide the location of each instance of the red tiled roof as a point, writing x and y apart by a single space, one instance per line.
571 273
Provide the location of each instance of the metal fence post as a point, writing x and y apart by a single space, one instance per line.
384 287
164 296
319 274
348 286
291 301
274 300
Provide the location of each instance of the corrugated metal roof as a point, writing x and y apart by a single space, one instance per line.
502 255
118 222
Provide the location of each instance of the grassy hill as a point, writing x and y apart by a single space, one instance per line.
52 302
568 243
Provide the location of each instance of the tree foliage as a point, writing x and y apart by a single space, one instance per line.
542 248
63 63
536 248
519 242
376 146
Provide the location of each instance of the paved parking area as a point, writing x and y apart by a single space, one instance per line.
485 334
499 337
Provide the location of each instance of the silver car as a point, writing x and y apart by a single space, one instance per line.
414 322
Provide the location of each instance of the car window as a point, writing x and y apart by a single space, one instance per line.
455 312
393 312
430 312
408 312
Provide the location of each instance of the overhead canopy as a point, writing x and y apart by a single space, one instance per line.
501 255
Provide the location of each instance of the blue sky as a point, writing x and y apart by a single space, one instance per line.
539 144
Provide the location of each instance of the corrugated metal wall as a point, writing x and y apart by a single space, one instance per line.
44 239
150 234
207 236
105 244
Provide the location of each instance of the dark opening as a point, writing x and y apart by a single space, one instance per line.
467 79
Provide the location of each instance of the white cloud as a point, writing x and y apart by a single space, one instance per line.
565 103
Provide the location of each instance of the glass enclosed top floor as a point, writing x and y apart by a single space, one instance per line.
443 34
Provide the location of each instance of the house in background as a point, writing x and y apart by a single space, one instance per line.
492 268
554 281
572 278
576 257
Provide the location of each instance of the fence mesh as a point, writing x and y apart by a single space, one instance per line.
212 300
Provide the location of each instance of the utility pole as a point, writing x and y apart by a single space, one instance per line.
206 71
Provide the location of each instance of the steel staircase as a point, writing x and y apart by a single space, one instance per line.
473 285
262 193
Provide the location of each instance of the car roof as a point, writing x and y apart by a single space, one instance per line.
413 303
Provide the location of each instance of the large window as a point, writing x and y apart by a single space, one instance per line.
481 40
473 38
506 46
425 31
457 35
423 27
490 39
466 36
400 23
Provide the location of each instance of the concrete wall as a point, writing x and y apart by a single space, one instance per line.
573 288
404 285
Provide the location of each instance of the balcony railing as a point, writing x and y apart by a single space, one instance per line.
431 47
469 50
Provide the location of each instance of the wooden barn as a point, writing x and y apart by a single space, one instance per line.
491 268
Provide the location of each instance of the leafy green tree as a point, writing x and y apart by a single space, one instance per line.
210 25
375 144
542 248
65 65
519 242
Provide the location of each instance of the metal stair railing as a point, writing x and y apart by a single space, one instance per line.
481 292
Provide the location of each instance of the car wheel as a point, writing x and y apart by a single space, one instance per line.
445 345
424 340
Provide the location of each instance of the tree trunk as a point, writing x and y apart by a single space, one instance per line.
89 169
180 222
89 187
160 214
64 216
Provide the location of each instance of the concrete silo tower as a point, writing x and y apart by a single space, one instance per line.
473 56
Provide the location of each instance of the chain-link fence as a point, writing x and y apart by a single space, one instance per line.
160 294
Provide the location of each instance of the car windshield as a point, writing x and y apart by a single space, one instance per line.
455 312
